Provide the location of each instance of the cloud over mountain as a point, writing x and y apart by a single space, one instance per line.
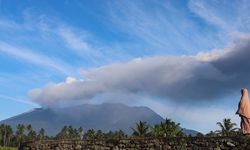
204 76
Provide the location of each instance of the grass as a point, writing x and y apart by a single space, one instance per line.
8 148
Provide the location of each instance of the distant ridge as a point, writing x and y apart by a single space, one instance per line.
107 116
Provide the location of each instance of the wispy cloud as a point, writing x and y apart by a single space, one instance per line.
73 41
157 29
209 14
76 40
34 58
225 16
8 98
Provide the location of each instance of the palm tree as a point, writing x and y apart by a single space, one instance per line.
156 130
6 133
9 134
90 134
99 134
20 133
2 134
212 134
141 130
109 135
31 133
227 127
63 134
41 134
170 128
120 134
80 133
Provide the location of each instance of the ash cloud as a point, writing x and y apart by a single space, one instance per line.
205 76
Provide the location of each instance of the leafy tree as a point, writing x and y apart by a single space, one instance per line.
141 130
227 127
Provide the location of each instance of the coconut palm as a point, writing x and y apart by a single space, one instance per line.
227 127
6 133
120 134
141 130
9 134
80 133
31 133
156 130
212 134
63 134
20 133
90 134
41 134
2 134
99 134
170 128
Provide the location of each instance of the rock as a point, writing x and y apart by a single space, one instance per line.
78 147
115 148
230 144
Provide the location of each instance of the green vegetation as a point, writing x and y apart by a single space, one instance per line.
141 130
227 127
8 148
167 128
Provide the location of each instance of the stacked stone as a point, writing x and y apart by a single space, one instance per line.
187 143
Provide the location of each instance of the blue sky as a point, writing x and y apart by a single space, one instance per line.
46 44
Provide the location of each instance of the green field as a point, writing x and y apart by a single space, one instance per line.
8 148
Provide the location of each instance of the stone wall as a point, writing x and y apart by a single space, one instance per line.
178 143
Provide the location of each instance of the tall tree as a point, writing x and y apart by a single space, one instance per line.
41 134
156 130
120 134
63 134
99 134
227 127
20 133
31 133
90 134
9 134
170 128
2 134
80 133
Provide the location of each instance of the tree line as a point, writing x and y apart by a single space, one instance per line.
167 128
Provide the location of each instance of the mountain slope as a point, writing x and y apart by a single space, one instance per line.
105 117
108 116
